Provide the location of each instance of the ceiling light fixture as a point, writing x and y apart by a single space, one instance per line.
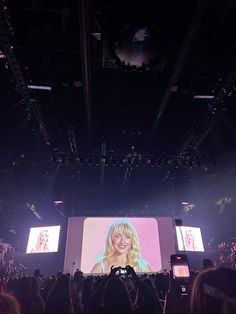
203 96
40 87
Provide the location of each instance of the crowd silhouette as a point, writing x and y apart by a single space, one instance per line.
211 290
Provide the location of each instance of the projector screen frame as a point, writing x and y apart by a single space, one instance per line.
73 256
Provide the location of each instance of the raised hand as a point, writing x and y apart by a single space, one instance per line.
114 270
130 271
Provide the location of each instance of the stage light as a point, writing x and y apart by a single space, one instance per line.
98 36
176 164
57 202
40 87
188 207
12 229
203 96
2 56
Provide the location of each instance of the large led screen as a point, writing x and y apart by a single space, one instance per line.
189 239
43 239
94 244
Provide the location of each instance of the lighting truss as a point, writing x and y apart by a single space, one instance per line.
8 51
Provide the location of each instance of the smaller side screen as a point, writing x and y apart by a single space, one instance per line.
189 239
43 240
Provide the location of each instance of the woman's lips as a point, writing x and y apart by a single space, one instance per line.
122 246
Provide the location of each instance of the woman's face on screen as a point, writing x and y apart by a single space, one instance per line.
43 237
121 242
189 237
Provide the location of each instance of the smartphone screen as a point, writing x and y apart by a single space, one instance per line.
123 271
180 271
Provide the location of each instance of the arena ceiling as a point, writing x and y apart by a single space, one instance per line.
109 135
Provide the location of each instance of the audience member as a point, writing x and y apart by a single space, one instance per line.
112 296
8 304
59 300
207 263
214 291
207 290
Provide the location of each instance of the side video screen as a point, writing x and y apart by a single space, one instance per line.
189 239
43 239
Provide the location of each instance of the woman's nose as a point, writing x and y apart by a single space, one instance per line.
122 239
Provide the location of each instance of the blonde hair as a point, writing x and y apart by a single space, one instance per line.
45 245
9 304
134 259
190 243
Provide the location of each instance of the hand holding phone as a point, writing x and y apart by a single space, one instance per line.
114 270
180 273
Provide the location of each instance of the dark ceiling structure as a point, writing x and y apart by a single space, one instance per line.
117 108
